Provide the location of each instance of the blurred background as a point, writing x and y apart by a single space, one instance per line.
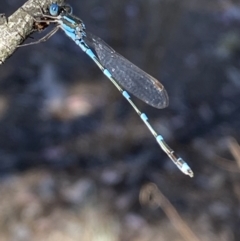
74 156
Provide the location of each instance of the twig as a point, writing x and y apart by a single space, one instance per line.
150 194
229 165
235 150
19 25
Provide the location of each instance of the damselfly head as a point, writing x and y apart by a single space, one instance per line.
55 9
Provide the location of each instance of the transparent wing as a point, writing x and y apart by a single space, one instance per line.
128 75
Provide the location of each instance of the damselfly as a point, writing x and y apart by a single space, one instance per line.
122 73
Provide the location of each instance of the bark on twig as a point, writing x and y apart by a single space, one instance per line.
17 27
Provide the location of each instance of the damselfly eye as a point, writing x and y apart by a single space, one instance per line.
53 9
